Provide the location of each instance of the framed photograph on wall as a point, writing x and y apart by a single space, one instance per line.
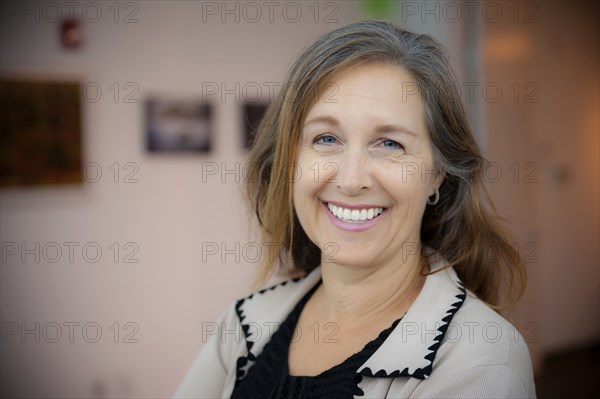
252 114
178 125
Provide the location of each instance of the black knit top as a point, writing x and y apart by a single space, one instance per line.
269 377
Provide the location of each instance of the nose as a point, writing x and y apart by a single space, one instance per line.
353 175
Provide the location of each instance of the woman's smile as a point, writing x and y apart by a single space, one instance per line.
353 218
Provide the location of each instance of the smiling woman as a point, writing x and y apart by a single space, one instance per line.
365 170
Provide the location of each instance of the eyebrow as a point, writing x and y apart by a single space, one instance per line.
381 129
330 120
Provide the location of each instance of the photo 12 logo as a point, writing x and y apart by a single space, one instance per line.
253 12
469 11
58 11
69 332
68 252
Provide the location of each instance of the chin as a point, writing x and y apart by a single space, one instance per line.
332 255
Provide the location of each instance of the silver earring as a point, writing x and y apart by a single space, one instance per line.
436 198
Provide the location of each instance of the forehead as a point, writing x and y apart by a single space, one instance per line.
371 91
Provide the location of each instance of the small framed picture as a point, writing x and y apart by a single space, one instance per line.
178 125
253 115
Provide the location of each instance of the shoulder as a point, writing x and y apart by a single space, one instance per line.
478 329
481 345
452 345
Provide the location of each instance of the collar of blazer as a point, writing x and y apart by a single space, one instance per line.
408 351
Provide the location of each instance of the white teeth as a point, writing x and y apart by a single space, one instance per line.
347 214
354 215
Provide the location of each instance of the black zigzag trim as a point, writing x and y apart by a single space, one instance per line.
247 360
424 372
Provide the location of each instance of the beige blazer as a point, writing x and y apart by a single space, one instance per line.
448 345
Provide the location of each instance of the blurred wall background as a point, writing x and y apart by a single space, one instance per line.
94 324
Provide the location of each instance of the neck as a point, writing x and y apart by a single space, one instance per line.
358 295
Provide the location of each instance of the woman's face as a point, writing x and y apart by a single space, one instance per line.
365 167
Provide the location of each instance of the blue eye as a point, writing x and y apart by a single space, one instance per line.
326 140
392 144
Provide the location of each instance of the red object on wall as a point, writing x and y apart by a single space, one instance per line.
71 34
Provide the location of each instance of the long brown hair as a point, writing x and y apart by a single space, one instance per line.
463 227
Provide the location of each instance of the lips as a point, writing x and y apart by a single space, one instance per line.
354 214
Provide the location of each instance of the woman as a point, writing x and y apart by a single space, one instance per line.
365 170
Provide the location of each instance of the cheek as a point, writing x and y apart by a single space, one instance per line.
405 188
304 183
298 199
303 190
303 194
